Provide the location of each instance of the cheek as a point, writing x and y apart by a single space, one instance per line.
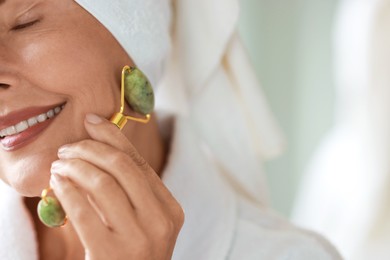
77 69
82 77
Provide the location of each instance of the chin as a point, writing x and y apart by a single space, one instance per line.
28 177
30 186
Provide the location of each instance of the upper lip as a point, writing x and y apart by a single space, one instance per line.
23 114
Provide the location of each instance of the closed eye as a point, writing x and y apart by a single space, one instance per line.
24 25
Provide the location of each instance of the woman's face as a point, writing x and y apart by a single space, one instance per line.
52 54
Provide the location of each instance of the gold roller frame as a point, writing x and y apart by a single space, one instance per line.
119 119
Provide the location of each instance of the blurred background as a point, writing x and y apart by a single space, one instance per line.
325 69
290 44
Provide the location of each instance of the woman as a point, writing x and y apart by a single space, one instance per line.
60 65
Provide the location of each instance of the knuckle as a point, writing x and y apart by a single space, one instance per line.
180 215
165 228
103 181
72 165
138 159
84 144
122 159
118 159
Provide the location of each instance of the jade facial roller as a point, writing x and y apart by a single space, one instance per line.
138 92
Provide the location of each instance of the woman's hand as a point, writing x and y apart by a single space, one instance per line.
127 213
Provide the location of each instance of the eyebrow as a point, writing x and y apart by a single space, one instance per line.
2 2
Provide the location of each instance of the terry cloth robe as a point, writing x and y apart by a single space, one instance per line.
220 223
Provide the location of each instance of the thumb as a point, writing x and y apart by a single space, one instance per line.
102 130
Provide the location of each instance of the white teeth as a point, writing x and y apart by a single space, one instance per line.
50 113
42 118
24 125
57 110
20 127
11 130
32 121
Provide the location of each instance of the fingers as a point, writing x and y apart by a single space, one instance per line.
118 165
130 198
104 131
111 200
79 211
150 216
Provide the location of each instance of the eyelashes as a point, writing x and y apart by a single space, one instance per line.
24 25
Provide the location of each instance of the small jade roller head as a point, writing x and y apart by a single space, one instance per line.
50 211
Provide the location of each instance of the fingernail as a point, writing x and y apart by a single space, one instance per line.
63 150
55 167
93 119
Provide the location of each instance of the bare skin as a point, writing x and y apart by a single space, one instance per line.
63 243
107 180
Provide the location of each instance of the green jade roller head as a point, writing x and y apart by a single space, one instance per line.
137 90
50 211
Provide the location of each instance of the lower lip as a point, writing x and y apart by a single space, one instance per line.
14 142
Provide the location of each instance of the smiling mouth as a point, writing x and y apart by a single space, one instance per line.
32 121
